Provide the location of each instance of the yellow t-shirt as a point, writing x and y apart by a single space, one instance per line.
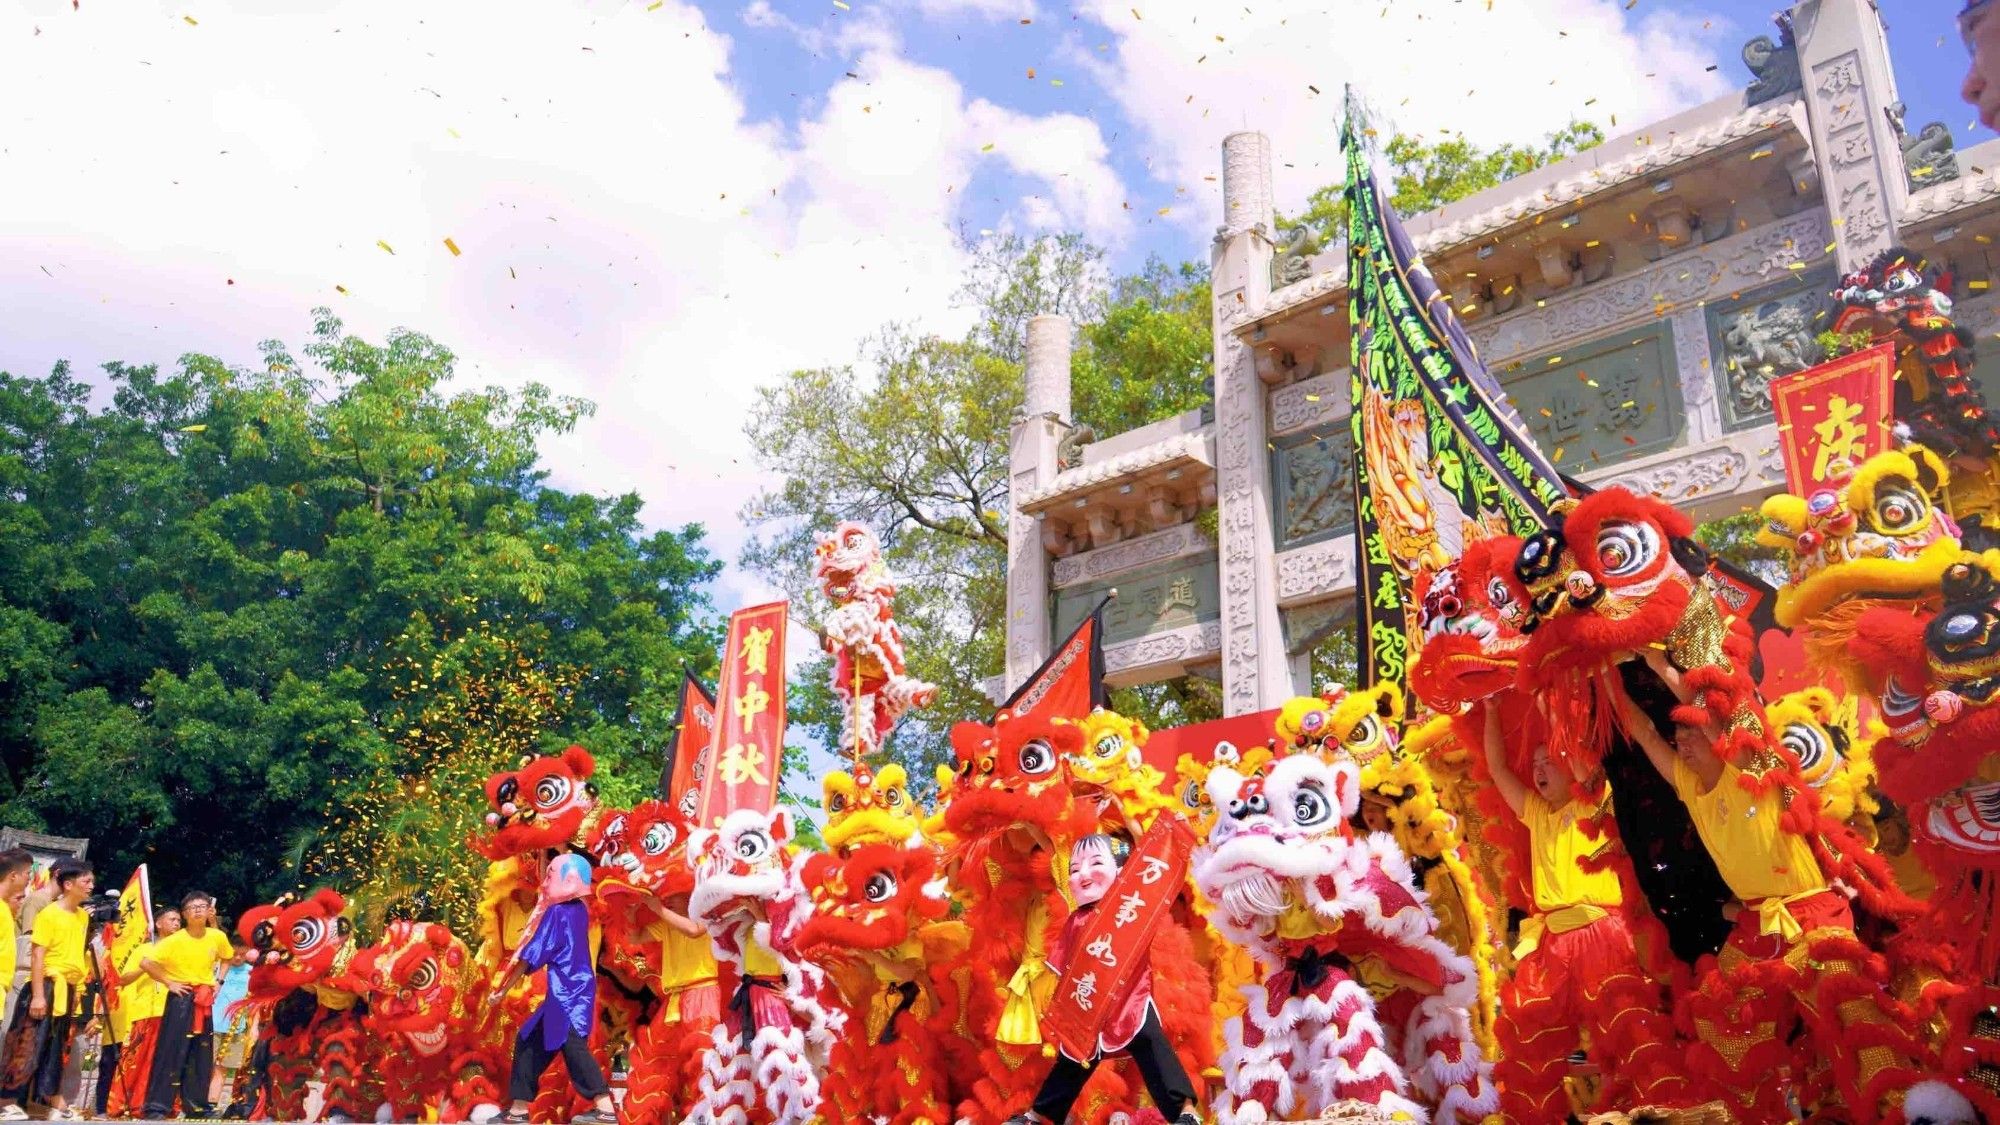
60 933
10 959
188 959
685 960
141 997
1756 857
1558 845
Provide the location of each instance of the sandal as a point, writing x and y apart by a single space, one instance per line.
594 1117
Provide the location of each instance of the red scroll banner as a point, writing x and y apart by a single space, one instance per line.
1841 410
687 754
1113 944
749 717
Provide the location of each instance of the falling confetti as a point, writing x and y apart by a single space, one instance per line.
340 289
190 21
451 246
987 147
385 246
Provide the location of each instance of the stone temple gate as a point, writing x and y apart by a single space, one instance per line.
1635 300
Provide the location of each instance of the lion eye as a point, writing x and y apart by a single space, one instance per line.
753 845
893 797
552 791
1899 510
425 974
1037 758
1817 756
658 839
1625 549
837 804
881 887
307 932
1364 731
1109 746
1310 807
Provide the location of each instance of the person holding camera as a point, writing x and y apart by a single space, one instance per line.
190 964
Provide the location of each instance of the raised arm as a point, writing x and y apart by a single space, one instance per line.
1639 728
1504 779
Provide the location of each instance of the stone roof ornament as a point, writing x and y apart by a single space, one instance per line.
1928 156
1775 64
1296 247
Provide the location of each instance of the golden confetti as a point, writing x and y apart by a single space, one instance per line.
451 246
656 5
197 428
190 21
341 289
987 147
842 5
1164 210
385 246
1055 81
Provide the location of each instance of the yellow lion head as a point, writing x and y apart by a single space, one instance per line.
1361 724
1875 532
1820 730
867 807
1191 780
1113 747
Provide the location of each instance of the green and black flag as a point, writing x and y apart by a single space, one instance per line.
1440 456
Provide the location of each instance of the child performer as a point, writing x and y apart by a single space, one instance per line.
1576 967
559 940
1133 1027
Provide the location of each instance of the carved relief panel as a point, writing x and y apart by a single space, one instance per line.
1313 478
1761 336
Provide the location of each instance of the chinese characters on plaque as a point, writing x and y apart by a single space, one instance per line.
750 716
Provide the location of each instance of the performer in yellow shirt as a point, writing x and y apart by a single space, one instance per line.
1793 982
189 964
135 1024
17 867
38 1042
1576 970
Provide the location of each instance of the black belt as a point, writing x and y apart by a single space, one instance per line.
1310 968
740 1004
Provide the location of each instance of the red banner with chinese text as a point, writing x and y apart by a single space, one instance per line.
1841 410
687 752
749 740
1071 681
1113 944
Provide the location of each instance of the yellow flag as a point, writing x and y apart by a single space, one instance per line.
134 927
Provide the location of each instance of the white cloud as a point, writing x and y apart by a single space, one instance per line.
628 233
1189 72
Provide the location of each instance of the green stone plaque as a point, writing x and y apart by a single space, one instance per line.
1764 335
1151 600
1604 402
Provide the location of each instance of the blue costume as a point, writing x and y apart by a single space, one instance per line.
560 944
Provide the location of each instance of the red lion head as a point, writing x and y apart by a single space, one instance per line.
1941 675
296 942
643 852
415 978
543 804
1472 615
874 899
1012 777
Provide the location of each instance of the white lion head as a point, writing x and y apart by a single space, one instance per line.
743 860
1291 823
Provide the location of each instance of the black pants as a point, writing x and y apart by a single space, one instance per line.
531 1059
183 1061
107 1065
37 1048
1161 1069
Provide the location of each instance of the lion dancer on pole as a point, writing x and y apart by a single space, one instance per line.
1578 972
869 674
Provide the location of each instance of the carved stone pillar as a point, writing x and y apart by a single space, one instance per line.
1844 56
1255 671
1031 464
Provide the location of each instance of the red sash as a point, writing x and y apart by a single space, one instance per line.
1113 945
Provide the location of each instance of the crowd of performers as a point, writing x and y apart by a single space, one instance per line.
1580 862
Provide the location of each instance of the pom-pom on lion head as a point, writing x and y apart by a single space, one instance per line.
542 804
416 977
875 898
868 807
742 862
1874 533
296 942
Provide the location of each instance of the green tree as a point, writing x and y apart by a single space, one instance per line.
1428 175
215 583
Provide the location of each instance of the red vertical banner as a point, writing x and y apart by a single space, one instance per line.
687 753
1071 681
1841 410
749 742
